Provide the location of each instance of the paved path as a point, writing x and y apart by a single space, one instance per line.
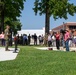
7 55
54 48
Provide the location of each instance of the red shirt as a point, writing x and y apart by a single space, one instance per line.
15 38
57 36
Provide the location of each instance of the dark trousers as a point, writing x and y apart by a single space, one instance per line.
15 45
6 44
3 42
49 43
57 44
67 45
35 42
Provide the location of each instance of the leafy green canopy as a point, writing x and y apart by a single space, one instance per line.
13 8
10 11
57 8
15 25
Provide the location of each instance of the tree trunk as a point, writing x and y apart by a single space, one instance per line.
47 18
2 17
47 24
2 20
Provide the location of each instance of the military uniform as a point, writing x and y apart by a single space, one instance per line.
6 36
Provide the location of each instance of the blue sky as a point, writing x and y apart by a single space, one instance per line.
30 21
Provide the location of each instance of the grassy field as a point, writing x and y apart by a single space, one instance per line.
31 61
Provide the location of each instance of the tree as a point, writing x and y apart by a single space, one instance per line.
11 9
1 15
55 8
15 25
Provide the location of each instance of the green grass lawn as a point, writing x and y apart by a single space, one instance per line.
31 61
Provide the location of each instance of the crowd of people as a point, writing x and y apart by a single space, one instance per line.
57 39
64 39
27 39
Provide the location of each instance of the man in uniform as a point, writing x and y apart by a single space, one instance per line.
7 34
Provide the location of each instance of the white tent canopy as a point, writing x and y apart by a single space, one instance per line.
31 32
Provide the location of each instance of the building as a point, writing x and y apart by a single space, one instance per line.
69 25
32 31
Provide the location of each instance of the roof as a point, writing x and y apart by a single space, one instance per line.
68 23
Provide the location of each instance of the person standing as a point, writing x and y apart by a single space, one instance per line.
41 39
66 38
29 39
6 36
57 40
15 41
46 39
2 39
35 39
49 40
53 40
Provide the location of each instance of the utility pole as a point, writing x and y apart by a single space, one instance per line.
63 25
